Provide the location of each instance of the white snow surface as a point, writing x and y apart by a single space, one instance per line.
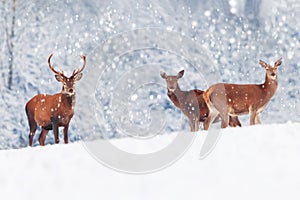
253 162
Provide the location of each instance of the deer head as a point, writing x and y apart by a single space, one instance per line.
172 81
271 71
68 82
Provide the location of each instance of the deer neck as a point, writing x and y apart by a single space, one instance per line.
175 96
69 100
270 87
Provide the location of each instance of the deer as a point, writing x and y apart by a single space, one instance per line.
53 111
230 100
190 102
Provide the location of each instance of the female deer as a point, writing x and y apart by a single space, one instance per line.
52 111
235 99
190 102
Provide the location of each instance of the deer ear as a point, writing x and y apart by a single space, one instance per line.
263 64
78 77
278 62
59 77
180 74
163 74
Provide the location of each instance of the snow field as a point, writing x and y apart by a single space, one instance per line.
252 162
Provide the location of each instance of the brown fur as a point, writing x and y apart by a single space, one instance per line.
53 111
190 102
236 99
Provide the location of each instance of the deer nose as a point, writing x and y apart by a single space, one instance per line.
172 89
71 90
273 74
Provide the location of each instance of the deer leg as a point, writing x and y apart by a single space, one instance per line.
234 121
257 119
252 117
210 118
32 127
66 133
238 123
42 137
192 124
221 107
225 120
55 131
223 114
197 124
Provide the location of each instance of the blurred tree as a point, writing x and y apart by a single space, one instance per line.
9 22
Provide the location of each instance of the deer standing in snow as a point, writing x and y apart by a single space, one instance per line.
53 111
236 99
190 102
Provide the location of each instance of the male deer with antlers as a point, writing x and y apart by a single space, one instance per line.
53 111
190 102
236 99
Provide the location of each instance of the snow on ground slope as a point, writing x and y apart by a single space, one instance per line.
253 162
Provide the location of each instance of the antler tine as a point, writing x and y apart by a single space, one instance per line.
84 62
50 66
76 71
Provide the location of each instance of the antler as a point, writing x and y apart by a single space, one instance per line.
51 67
82 68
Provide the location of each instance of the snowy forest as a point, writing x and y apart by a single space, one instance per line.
127 43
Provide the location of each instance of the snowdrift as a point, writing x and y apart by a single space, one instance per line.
252 162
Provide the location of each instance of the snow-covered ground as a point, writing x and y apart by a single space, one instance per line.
253 162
